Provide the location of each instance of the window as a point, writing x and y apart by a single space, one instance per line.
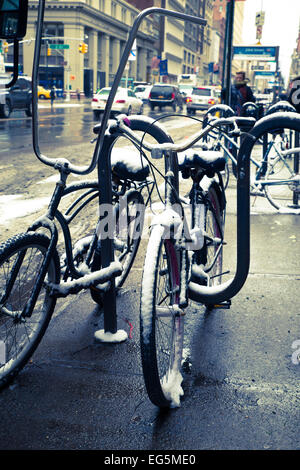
124 15
113 9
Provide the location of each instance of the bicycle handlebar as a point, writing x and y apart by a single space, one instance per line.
156 149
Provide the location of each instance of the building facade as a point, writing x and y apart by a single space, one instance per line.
102 25
295 60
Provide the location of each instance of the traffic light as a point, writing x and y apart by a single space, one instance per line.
83 48
5 47
48 51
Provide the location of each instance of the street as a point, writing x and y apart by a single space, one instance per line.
241 384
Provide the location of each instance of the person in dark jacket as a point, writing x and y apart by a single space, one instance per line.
294 93
241 93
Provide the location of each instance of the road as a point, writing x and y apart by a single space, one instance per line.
241 386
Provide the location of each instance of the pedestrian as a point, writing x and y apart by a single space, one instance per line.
294 94
52 96
78 94
241 93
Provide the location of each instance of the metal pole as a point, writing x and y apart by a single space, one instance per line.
68 77
225 49
230 13
296 171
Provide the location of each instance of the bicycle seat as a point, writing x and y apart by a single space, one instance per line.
129 165
210 161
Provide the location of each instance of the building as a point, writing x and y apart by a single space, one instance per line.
102 25
295 60
219 24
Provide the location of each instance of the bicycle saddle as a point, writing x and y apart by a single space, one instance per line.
129 165
210 161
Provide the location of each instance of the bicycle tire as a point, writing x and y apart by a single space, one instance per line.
225 175
161 331
281 196
20 337
125 250
276 123
210 257
128 232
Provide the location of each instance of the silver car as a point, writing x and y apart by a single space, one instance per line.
125 102
201 99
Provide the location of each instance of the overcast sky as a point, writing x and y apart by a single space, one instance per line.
281 26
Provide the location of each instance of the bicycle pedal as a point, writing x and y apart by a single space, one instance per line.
225 304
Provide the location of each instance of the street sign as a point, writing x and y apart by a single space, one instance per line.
59 46
264 74
163 67
132 55
255 52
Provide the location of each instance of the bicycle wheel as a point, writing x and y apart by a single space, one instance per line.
225 175
282 187
161 323
210 257
129 227
214 227
20 260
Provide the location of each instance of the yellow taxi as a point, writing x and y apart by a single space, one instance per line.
43 93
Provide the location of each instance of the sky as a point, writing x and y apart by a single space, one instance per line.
282 19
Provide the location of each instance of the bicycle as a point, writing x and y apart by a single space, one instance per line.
33 275
27 310
276 174
183 260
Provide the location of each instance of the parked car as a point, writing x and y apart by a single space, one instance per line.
125 102
17 97
163 94
202 98
142 92
43 93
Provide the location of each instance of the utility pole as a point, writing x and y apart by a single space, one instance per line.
227 70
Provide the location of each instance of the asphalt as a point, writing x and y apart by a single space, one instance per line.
241 374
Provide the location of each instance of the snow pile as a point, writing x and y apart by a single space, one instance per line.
107 337
171 385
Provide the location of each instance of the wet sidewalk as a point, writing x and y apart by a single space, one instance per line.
241 372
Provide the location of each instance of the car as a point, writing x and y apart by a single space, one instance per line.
125 102
201 99
43 93
17 97
142 92
163 94
185 90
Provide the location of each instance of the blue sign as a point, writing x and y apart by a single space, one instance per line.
261 73
253 52
163 67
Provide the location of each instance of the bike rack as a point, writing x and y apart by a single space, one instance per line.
103 142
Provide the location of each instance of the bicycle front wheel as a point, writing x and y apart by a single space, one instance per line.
161 322
21 258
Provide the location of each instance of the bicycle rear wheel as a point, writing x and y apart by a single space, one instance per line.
210 257
21 258
282 186
161 322
129 227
